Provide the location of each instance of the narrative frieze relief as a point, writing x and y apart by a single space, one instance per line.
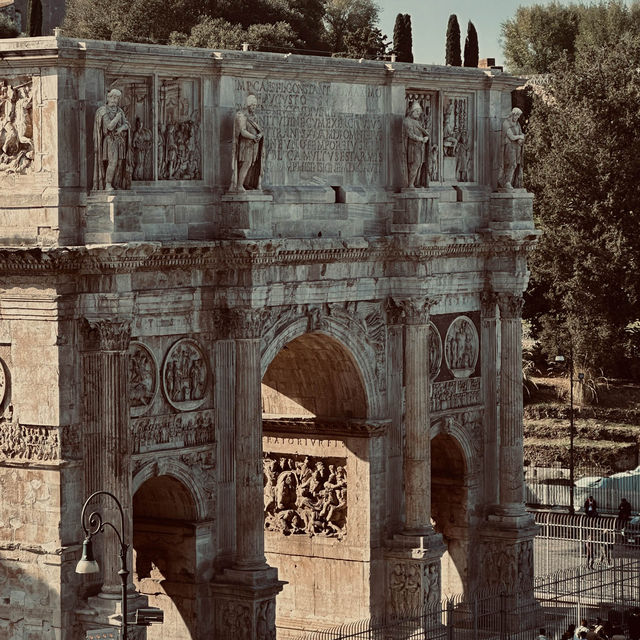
16 125
318 128
454 394
457 139
299 428
305 495
28 443
185 375
143 378
172 431
413 585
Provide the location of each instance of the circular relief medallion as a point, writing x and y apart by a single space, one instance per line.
435 352
143 378
461 347
185 375
4 382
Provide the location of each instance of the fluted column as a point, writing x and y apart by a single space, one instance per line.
511 411
106 442
417 439
489 359
248 430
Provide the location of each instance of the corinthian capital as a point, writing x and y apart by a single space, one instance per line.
510 306
107 334
415 309
488 301
246 323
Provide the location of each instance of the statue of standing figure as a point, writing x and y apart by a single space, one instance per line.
512 143
112 149
414 150
248 149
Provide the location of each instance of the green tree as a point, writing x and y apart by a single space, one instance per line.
8 28
34 17
471 51
453 56
345 17
583 157
402 38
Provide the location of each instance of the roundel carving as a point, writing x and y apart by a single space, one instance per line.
435 352
461 347
4 382
143 378
185 375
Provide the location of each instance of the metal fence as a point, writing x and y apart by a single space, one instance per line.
610 592
567 541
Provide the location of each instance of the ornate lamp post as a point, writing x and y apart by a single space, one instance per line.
88 564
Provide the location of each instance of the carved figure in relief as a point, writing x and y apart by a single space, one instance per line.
301 497
512 144
112 148
461 347
414 152
185 375
450 140
248 149
433 163
16 128
142 377
142 142
462 158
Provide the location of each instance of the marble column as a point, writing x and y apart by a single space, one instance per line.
489 359
106 443
511 411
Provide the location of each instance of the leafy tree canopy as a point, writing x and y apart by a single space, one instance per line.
583 157
8 28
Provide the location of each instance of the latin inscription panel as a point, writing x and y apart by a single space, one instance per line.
319 132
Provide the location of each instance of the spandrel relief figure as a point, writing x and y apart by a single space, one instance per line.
415 140
248 149
512 144
113 156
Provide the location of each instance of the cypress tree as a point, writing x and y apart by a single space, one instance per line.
453 56
471 53
34 18
402 39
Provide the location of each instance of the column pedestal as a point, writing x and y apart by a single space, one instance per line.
247 215
415 211
113 216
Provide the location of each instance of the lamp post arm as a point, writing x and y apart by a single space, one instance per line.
95 519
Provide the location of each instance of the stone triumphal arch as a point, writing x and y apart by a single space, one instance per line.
273 304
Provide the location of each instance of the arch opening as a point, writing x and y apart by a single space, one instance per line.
314 375
164 517
449 495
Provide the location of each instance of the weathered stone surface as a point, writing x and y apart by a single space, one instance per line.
322 347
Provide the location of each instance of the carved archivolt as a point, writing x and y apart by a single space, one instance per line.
461 347
305 495
143 378
16 125
185 375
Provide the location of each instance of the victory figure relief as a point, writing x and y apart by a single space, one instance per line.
248 149
112 149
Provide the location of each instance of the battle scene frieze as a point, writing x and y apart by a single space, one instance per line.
454 394
16 125
28 443
305 495
172 431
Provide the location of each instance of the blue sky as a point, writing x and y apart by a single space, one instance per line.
429 24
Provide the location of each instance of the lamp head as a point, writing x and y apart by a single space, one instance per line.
87 563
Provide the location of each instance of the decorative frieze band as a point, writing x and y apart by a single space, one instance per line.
28 443
455 394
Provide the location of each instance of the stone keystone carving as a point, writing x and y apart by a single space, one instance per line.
16 127
462 347
248 149
305 495
512 144
113 162
415 146
185 375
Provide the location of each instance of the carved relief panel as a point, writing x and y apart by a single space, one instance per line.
185 375
457 138
143 378
435 351
4 383
305 495
179 120
23 442
430 171
413 585
136 104
16 125
461 347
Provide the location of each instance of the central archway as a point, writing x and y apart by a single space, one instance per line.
164 516
317 470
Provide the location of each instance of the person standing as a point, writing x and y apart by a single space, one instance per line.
591 507
588 549
624 513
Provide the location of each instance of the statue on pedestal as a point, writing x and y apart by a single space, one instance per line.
112 149
414 153
248 149
512 143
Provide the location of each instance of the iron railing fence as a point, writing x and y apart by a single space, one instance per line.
609 592
566 541
549 487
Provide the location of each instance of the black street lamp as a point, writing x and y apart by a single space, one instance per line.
88 564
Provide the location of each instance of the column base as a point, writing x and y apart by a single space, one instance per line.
245 603
104 610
